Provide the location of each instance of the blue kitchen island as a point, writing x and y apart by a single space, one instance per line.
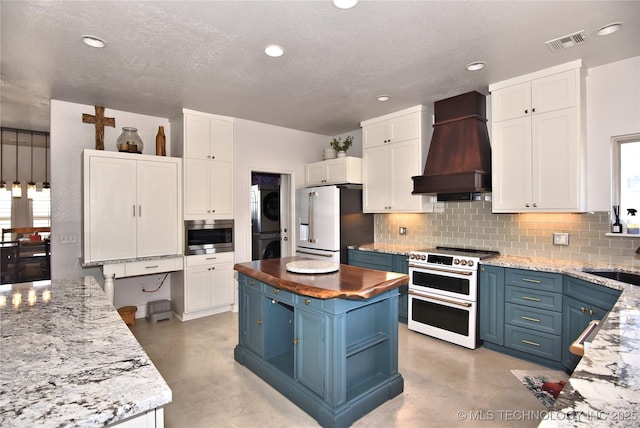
328 341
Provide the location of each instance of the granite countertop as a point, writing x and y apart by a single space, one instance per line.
604 389
68 359
385 248
349 282
120 261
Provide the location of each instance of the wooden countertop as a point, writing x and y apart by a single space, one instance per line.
348 282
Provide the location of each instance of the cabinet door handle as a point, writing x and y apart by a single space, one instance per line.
535 299
307 301
530 319
259 322
535 204
139 210
527 205
151 267
528 342
535 281
276 291
590 311
134 210
526 111
296 341
533 110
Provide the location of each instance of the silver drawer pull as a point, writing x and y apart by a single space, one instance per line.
528 342
530 319
535 299
152 267
535 281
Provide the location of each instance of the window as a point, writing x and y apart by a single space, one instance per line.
626 185
41 209
5 209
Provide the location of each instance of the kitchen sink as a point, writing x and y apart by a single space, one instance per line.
627 278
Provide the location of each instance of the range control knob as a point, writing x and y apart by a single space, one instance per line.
463 262
470 263
456 261
423 257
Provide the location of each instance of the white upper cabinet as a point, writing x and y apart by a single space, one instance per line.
538 147
395 148
208 171
334 171
131 206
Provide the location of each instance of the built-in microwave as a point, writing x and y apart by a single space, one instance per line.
208 236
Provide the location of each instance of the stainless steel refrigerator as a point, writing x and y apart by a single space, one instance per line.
330 218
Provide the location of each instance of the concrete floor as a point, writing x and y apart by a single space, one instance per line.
445 385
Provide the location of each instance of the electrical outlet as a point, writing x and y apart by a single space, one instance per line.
403 230
68 238
560 238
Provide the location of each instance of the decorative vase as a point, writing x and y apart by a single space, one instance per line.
129 141
342 153
161 149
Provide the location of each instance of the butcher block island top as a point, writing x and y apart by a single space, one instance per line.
67 359
348 282
327 341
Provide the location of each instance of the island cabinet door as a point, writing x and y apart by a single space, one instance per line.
253 309
310 350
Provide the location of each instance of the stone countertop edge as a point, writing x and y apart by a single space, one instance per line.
399 249
70 360
120 261
604 389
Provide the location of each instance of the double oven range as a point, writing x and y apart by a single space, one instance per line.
443 293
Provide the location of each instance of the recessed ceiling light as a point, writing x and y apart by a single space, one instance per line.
608 29
383 98
476 65
93 41
345 4
274 51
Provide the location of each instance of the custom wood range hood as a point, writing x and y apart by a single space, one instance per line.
459 160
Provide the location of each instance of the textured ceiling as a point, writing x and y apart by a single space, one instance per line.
162 56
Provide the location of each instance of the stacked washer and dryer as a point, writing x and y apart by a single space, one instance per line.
265 221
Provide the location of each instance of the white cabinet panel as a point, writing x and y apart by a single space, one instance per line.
334 171
131 206
538 143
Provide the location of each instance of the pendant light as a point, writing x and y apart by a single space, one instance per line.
3 185
46 187
16 188
31 186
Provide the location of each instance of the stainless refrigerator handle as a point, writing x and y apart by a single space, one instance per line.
312 219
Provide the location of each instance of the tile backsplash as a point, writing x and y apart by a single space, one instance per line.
472 224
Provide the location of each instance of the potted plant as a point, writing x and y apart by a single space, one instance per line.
342 147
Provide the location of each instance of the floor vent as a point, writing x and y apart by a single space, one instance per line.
566 42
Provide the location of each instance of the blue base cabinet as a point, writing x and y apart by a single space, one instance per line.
537 315
337 359
388 263
583 302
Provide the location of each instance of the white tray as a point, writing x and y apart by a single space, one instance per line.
312 266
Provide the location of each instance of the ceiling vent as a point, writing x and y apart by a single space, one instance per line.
566 42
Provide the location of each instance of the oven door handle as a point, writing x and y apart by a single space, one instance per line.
441 299
456 272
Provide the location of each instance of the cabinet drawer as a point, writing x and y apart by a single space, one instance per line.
593 294
370 259
278 294
153 266
534 298
207 259
544 345
309 302
251 283
532 279
536 319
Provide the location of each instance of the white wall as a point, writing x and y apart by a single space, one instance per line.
613 109
267 148
69 137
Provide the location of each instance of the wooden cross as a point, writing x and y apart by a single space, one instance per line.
100 122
